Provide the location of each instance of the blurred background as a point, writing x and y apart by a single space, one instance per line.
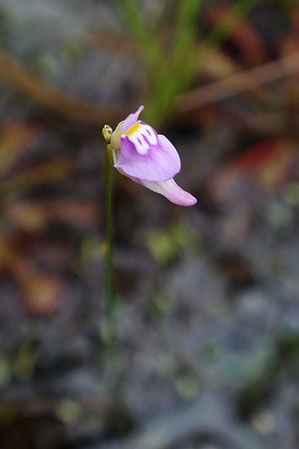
207 317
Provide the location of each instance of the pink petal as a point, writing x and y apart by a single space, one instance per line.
131 120
160 162
171 191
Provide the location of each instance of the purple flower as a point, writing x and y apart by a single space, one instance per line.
148 158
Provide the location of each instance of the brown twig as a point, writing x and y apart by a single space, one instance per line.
245 81
20 77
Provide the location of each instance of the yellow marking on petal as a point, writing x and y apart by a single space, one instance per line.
133 129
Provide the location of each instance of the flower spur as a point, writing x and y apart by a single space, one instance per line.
148 158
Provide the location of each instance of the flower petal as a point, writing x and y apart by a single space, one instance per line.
146 155
171 191
131 120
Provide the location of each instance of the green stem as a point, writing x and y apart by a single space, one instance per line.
110 287
110 330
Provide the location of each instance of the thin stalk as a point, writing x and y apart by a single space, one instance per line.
110 330
110 286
